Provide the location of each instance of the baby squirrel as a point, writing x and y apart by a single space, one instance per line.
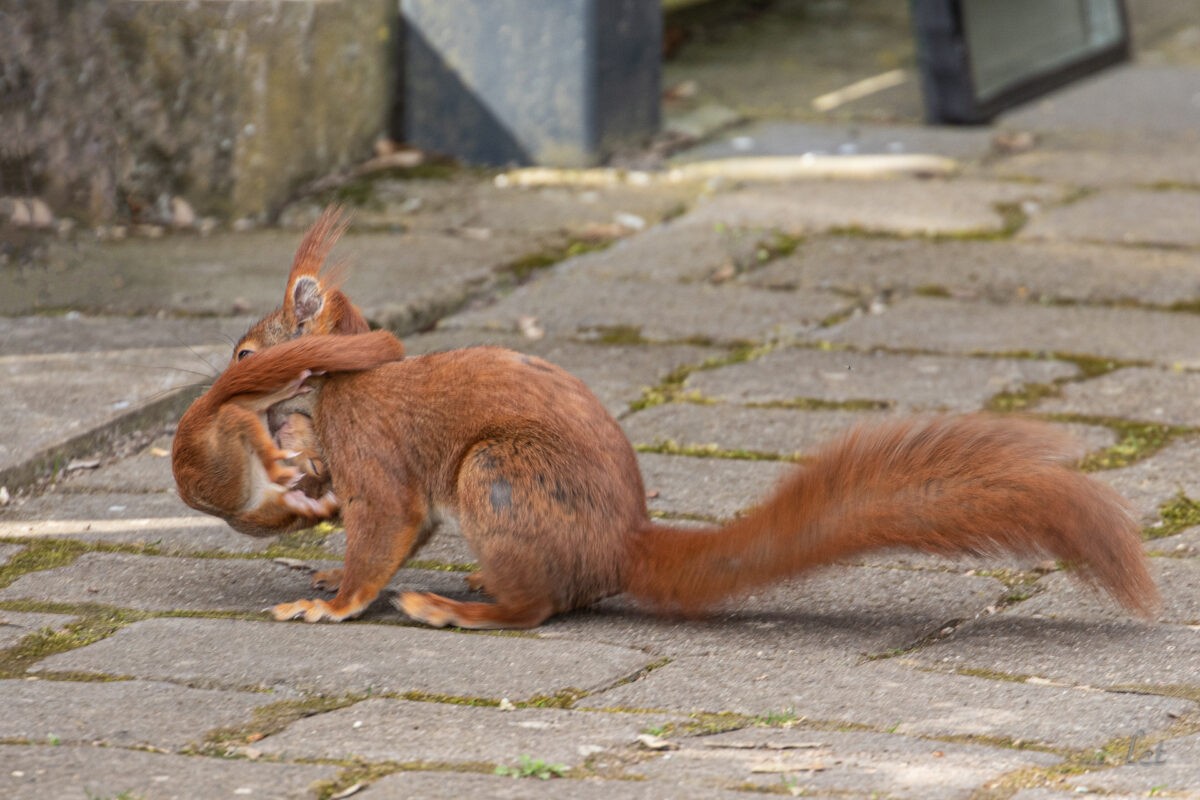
548 494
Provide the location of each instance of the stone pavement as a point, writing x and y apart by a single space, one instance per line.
730 327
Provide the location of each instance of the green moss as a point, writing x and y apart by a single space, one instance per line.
449 699
525 267
564 698
305 544
1177 515
931 290
1029 395
529 767
619 335
94 626
820 404
1135 442
440 566
672 448
269 719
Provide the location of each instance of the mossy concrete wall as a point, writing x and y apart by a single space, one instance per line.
107 109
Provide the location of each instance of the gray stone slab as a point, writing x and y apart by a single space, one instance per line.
1000 271
160 520
839 763
351 658
912 383
565 305
161 583
236 273
617 374
1164 217
148 470
1121 333
53 400
713 488
1159 479
120 713
1173 769
7 551
1185 544
901 206
1059 597
1078 651
778 431
16 625
211 338
825 686
853 611
452 786
1136 393
402 731
682 251
773 137
83 773
1133 100
1102 167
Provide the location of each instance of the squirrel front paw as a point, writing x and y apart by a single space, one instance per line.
312 611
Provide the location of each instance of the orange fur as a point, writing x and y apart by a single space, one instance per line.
547 492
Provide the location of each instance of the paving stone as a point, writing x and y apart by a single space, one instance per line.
902 206
924 383
830 687
1102 167
856 611
1158 479
1134 393
1185 544
350 658
713 488
7 551
617 374
1121 333
120 713
1073 650
208 338
837 763
999 271
778 431
565 305
402 731
161 583
16 625
160 520
148 470
452 786
1174 769
1059 597
82 773
1164 217
52 399
681 251
1134 100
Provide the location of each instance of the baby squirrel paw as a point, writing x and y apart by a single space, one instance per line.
322 507
311 611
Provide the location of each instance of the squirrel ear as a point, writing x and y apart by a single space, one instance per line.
306 299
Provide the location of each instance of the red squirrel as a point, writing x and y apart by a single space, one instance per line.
548 494
251 457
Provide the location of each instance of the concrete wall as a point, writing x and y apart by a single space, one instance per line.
108 109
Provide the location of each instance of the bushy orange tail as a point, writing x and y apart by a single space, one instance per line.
974 485
267 371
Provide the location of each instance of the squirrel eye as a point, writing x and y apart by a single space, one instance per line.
243 353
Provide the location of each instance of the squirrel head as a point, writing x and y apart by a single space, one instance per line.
313 303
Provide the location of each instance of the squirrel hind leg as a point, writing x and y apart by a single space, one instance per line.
438 611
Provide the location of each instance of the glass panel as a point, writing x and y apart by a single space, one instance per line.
1013 40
